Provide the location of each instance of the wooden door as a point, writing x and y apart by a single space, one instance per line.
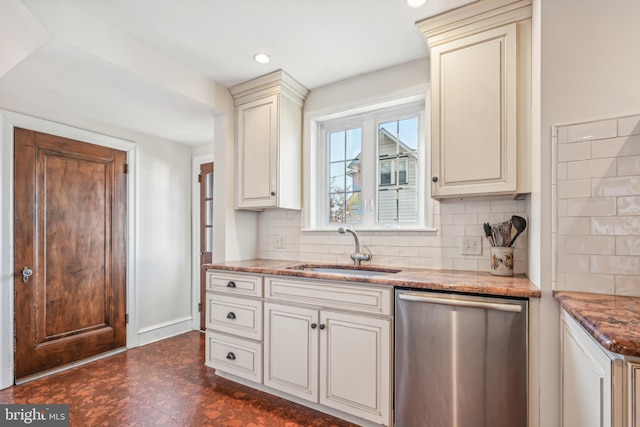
70 213
206 232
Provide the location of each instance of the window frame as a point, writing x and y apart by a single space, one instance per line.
316 217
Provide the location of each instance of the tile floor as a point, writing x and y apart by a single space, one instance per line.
162 384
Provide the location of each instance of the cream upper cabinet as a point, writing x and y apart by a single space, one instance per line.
269 142
481 94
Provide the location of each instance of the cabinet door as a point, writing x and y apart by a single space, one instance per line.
587 385
257 127
634 394
474 116
291 350
355 365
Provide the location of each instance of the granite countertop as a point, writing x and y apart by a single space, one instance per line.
448 280
614 321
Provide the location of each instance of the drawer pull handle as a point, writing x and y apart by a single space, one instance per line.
231 284
231 356
321 326
231 315
313 326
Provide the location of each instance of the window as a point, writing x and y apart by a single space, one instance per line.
370 170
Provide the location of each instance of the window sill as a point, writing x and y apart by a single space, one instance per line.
373 230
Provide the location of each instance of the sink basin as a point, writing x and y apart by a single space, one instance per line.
345 270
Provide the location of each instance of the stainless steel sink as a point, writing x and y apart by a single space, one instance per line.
346 270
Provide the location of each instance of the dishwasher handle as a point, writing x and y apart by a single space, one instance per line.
419 297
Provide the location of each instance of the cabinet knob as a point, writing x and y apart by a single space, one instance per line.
231 284
434 179
321 326
313 326
273 193
231 356
231 315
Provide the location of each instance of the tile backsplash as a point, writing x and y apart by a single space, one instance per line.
453 219
596 187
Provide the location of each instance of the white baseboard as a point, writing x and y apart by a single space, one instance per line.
161 331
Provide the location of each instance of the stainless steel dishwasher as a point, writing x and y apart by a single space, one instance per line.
460 361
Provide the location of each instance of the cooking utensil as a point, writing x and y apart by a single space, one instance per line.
488 234
520 224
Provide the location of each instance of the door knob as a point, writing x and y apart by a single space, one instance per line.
26 273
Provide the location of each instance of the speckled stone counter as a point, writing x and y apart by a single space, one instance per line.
443 280
614 321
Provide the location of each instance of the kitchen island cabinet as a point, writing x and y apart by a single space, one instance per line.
481 92
600 360
269 142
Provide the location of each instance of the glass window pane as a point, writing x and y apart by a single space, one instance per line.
402 171
208 186
407 205
387 206
353 208
408 132
337 208
337 146
208 212
208 239
337 177
354 143
386 172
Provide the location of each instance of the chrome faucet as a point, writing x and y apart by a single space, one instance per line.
357 256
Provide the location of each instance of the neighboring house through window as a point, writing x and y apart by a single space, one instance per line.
371 168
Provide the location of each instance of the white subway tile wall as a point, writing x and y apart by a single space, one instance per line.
597 206
439 249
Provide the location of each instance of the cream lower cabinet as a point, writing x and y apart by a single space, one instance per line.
599 388
330 343
340 360
233 313
326 343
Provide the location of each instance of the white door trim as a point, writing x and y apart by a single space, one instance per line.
9 120
195 235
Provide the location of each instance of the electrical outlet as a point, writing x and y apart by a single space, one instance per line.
471 246
281 241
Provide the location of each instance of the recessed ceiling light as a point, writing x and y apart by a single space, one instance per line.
416 3
261 58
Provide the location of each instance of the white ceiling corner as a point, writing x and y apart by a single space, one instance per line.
152 65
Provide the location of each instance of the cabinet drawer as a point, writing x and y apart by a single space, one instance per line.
234 355
241 284
366 298
233 315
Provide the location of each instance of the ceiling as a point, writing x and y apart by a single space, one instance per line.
150 65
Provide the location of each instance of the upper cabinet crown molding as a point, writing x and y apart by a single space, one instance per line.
474 17
481 99
269 142
278 82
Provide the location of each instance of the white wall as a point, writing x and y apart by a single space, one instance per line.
164 233
588 69
453 219
160 223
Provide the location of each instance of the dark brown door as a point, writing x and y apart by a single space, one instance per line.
206 231
70 200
